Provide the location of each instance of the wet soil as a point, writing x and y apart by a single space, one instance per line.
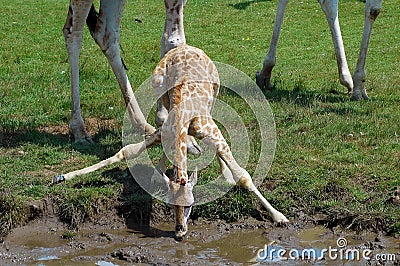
108 240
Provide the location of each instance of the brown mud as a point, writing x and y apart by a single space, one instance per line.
111 240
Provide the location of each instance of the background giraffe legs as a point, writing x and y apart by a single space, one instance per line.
72 30
330 9
173 33
263 77
372 10
355 85
210 134
107 36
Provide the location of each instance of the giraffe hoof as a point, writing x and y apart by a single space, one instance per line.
84 141
260 80
365 95
58 179
194 149
280 218
263 82
359 94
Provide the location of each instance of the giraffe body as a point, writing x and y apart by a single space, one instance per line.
187 82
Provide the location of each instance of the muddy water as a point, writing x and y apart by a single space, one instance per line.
215 243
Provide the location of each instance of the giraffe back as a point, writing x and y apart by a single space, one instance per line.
185 73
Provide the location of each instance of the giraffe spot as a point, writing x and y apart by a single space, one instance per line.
215 131
183 149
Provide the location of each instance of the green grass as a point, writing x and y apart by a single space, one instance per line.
69 235
335 158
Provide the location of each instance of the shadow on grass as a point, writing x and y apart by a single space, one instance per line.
303 97
137 206
244 5
321 100
332 102
15 138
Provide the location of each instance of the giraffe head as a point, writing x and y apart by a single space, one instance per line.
180 199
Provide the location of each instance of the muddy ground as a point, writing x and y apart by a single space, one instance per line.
112 240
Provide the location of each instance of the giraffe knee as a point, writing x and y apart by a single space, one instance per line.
246 182
107 40
372 9
374 12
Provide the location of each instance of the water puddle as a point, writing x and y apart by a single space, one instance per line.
213 244
240 246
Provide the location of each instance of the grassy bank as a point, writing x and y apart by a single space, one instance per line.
336 160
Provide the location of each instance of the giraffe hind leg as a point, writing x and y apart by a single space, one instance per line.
106 25
225 172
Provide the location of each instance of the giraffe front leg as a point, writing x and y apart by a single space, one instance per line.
263 77
212 136
72 31
128 152
330 9
372 10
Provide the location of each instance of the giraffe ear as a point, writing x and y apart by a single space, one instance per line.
193 178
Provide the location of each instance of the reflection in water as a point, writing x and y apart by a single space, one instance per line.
105 263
